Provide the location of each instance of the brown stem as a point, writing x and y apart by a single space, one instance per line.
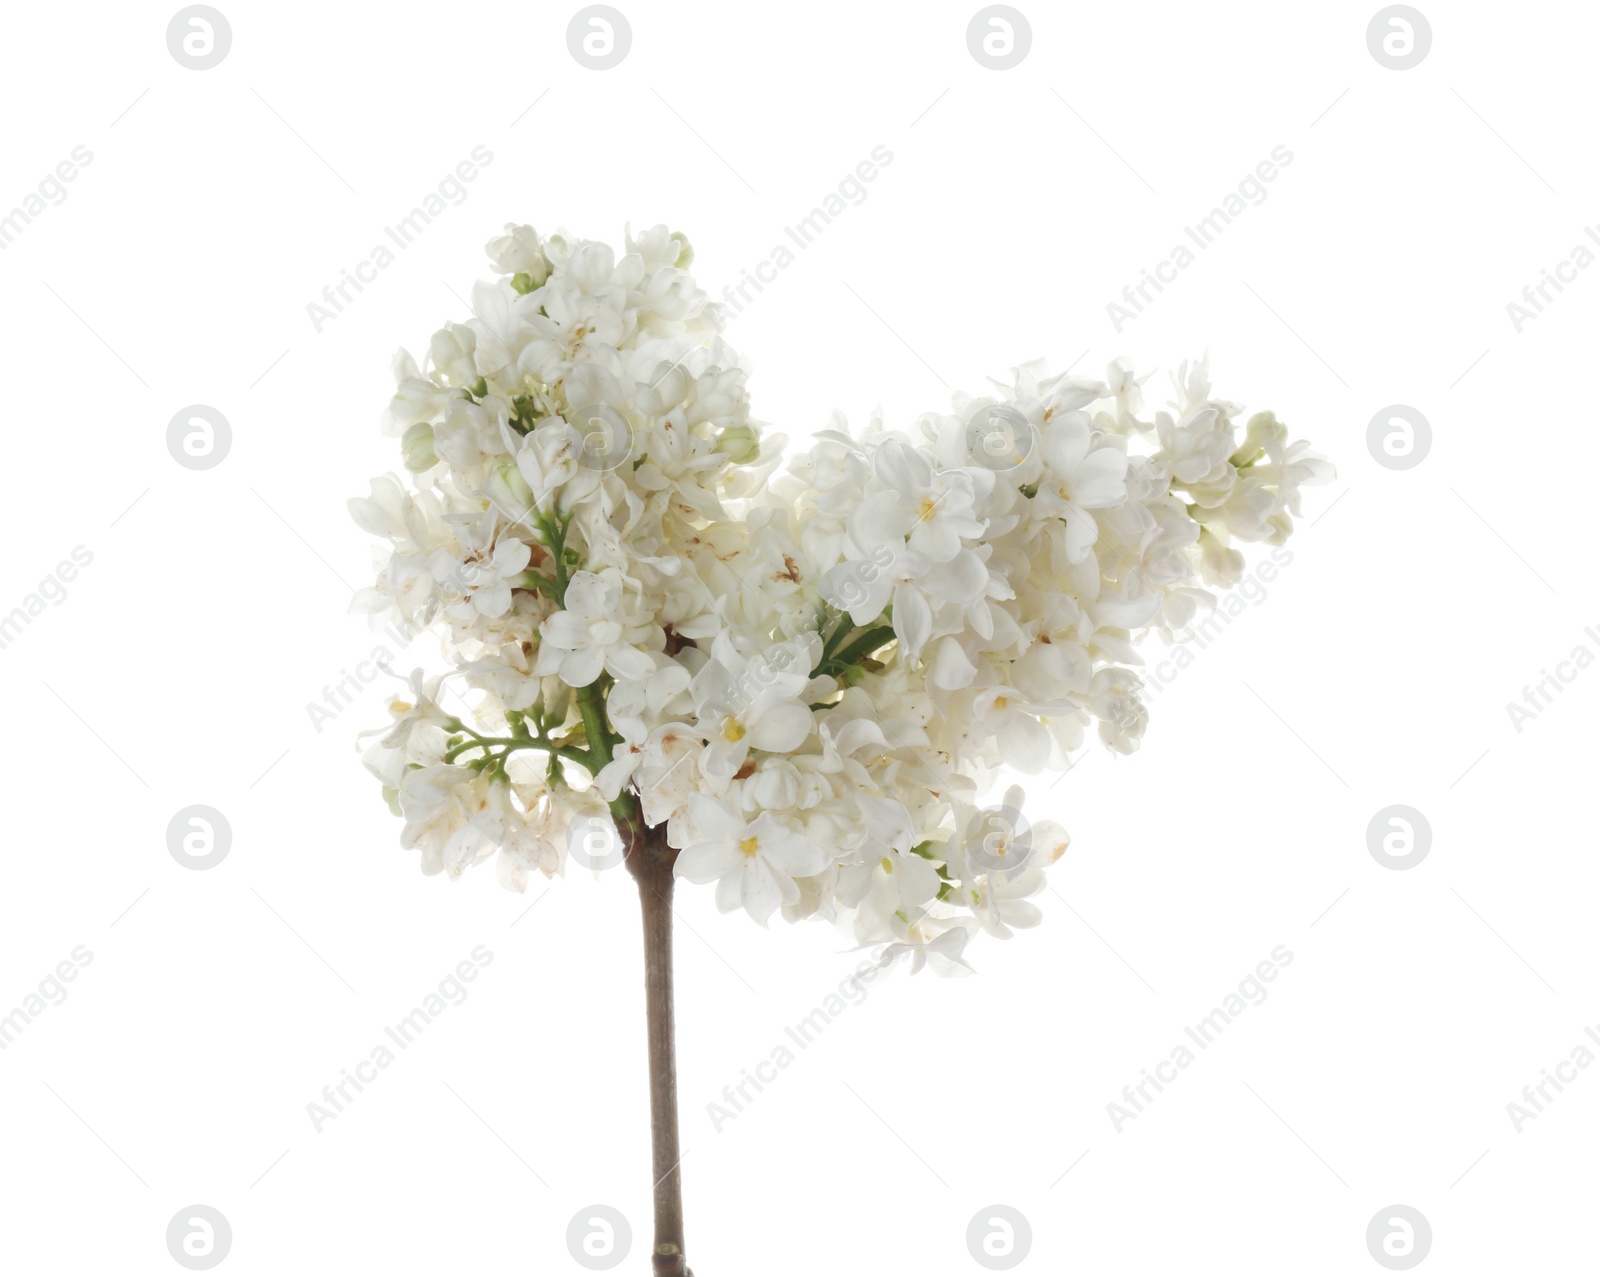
650 861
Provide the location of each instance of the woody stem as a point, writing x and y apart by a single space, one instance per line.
650 859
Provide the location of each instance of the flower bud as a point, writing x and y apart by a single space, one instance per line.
510 492
451 352
416 447
557 698
519 253
741 444
1263 429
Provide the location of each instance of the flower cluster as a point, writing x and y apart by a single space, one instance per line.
804 674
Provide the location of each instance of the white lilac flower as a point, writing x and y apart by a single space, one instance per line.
440 804
937 946
475 580
467 436
1000 902
927 510
754 864
551 461
519 252
752 703
592 635
417 734
805 673
1081 478
896 883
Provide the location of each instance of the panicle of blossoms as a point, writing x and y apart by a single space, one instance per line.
809 673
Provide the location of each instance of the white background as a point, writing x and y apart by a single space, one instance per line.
1376 671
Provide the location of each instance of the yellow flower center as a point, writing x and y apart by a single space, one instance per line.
928 507
732 730
749 846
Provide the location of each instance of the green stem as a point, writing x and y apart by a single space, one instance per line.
594 727
591 702
512 744
833 640
864 646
